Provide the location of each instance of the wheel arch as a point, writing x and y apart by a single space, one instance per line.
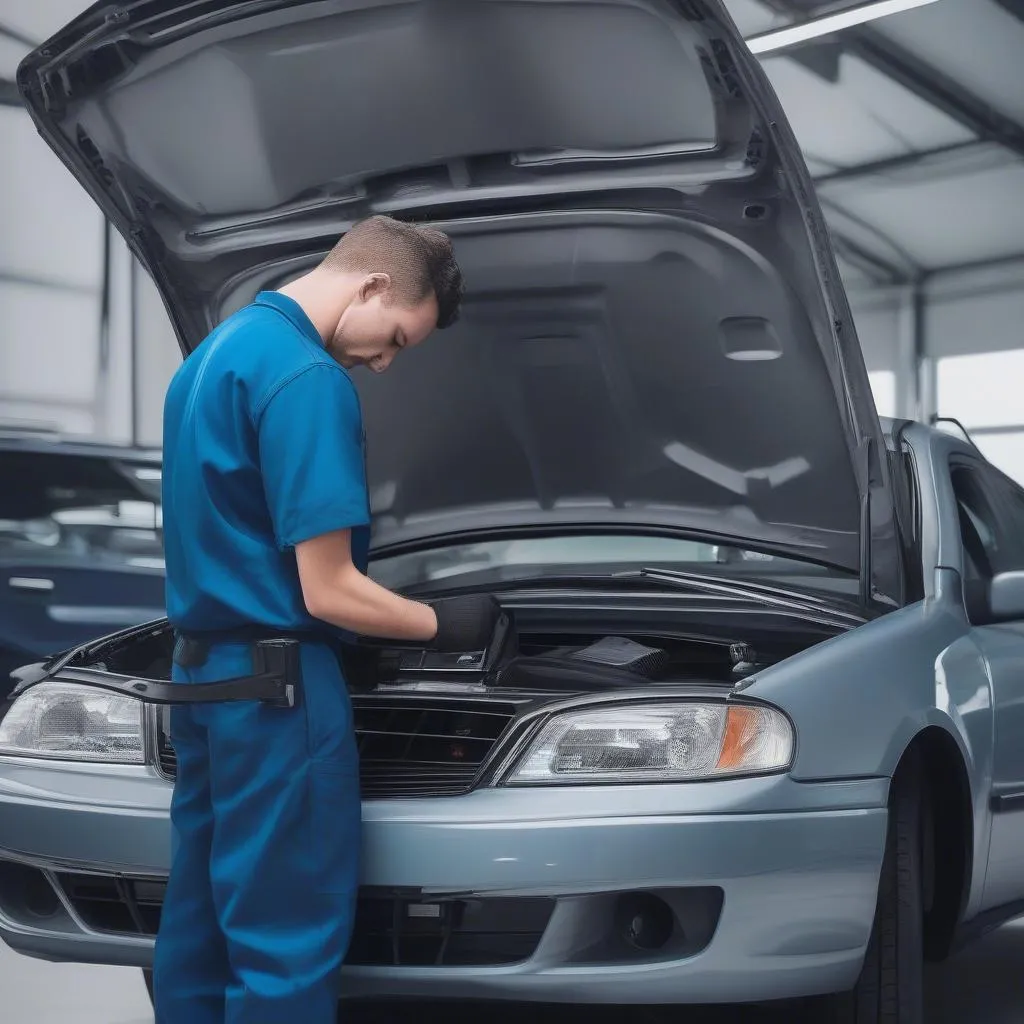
949 815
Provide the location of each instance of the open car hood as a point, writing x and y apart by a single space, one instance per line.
654 335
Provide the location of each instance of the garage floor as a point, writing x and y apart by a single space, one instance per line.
982 984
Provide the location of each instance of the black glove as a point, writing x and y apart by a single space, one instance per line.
465 623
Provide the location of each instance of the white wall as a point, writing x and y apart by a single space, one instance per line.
53 367
980 310
50 277
158 356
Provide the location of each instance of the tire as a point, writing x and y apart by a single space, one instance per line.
890 989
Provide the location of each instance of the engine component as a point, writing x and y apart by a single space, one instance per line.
608 664
621 652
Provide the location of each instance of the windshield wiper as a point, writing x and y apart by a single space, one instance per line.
775 597
755 593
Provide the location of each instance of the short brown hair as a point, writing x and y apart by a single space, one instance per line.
418 259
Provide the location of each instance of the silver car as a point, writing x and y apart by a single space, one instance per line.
754 728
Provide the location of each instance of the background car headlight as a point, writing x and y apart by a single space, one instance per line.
79 723
656 743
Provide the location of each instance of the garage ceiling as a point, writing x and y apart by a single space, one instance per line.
913 125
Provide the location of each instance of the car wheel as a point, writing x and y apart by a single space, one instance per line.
890 989
147 977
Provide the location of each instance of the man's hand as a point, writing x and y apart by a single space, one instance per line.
465 623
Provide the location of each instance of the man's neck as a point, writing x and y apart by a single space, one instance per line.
322 298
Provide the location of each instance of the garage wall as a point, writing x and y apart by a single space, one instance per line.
61 364
972 310
158 356
973 355
50 285
980 310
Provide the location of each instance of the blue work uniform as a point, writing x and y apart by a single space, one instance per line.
263 449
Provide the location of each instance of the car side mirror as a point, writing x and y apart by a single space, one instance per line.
1006 597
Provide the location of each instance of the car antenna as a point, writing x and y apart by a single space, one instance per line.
936 419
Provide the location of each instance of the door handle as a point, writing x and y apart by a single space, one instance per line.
30 583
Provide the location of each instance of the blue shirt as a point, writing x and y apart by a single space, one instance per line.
263 449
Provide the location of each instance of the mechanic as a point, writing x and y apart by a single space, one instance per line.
266 530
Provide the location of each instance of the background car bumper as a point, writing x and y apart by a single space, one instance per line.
764 903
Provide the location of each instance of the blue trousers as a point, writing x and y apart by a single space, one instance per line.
266 822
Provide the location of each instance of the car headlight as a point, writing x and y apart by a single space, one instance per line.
670 742
79 723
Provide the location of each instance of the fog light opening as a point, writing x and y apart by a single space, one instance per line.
26 893
40 899
645 922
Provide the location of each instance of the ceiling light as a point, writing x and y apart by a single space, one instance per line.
778 39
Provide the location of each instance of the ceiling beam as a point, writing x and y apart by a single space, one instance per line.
877 269
935 88
866 246
920 78
889 164
17 36
987 263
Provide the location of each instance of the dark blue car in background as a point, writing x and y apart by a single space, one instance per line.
80 544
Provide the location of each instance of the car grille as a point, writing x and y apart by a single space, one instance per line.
119 905
410 746
398 931
391 929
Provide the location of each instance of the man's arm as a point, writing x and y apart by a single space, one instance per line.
335 591
311 461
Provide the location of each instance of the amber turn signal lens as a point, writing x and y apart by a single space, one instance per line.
744 734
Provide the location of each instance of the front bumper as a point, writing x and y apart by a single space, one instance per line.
772 883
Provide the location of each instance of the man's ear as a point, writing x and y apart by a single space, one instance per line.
374 285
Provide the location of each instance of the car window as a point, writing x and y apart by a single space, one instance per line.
1010 499
987 548
80 509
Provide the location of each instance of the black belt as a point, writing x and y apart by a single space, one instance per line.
192 646
276 677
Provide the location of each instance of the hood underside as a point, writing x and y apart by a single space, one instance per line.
654 334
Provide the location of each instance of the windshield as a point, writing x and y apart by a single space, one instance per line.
504 561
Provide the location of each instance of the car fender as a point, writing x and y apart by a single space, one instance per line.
858 700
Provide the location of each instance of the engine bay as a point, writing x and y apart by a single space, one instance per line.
529 659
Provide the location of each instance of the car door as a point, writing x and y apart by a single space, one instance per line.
991 509
80 551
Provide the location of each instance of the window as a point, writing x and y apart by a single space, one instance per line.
883 388
1010 498
986 551
80 509
1004 450
982 390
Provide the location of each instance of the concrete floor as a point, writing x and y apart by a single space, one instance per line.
980 986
